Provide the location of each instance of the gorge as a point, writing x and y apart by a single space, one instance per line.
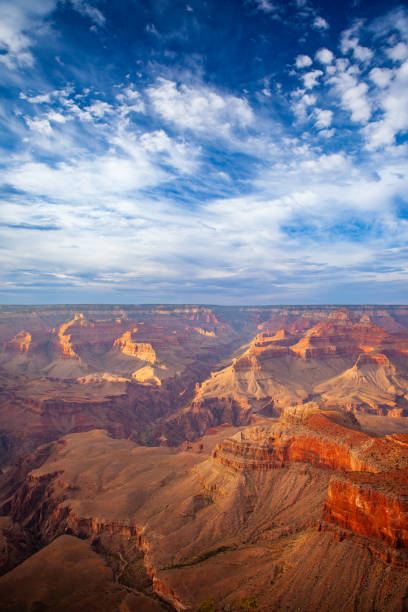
175 455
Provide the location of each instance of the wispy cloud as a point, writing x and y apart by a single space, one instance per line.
165 180
88 10
18 23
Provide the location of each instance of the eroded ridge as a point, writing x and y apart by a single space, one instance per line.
368 492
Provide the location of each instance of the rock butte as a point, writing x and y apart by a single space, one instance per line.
174 454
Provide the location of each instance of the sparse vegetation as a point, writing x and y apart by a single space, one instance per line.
247 604
206 606
199 558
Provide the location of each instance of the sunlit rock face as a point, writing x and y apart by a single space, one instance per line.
141 350
316 438
372 505
369 492
307 495
170 373
198 450
21 342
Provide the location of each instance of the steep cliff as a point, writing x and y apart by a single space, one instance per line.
371 495
371 504
313 437
342 333
142 350
206 529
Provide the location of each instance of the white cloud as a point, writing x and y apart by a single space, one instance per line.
99 108
131 100
87 10
18 22
381 76
86 180
327 163
302 104
355 100
323 118
353 95
266 6
395 20
320 24
395 111
310 79
364 54
178 154
324 56
56 117
350 42
399 52
39 99
303 61
39 125
199 108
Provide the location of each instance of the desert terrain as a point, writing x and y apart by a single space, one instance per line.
204 458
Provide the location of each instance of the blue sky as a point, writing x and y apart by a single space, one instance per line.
234 152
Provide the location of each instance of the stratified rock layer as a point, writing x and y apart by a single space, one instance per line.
371 496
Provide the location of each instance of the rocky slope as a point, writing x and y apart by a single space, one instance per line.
166 374
371 384
67 575
343 360
284 487
112 368
242 514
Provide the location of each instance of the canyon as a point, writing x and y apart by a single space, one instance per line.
185 456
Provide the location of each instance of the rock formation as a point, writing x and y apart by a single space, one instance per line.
21 342
184 453
278 507
142 350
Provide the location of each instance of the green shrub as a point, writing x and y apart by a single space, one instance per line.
247 604
206 606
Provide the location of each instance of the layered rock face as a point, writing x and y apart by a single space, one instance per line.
373 505
313 437
210 528
342 334
21 342
343 360
371 384
64 337
370 497
141 350
284 488
114 368
70 371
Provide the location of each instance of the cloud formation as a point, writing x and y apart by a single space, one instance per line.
176 177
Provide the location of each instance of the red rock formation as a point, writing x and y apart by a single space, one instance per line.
342 334
318 440
64 338
372 385
371 495
142 350
204 528
371 504
21 342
